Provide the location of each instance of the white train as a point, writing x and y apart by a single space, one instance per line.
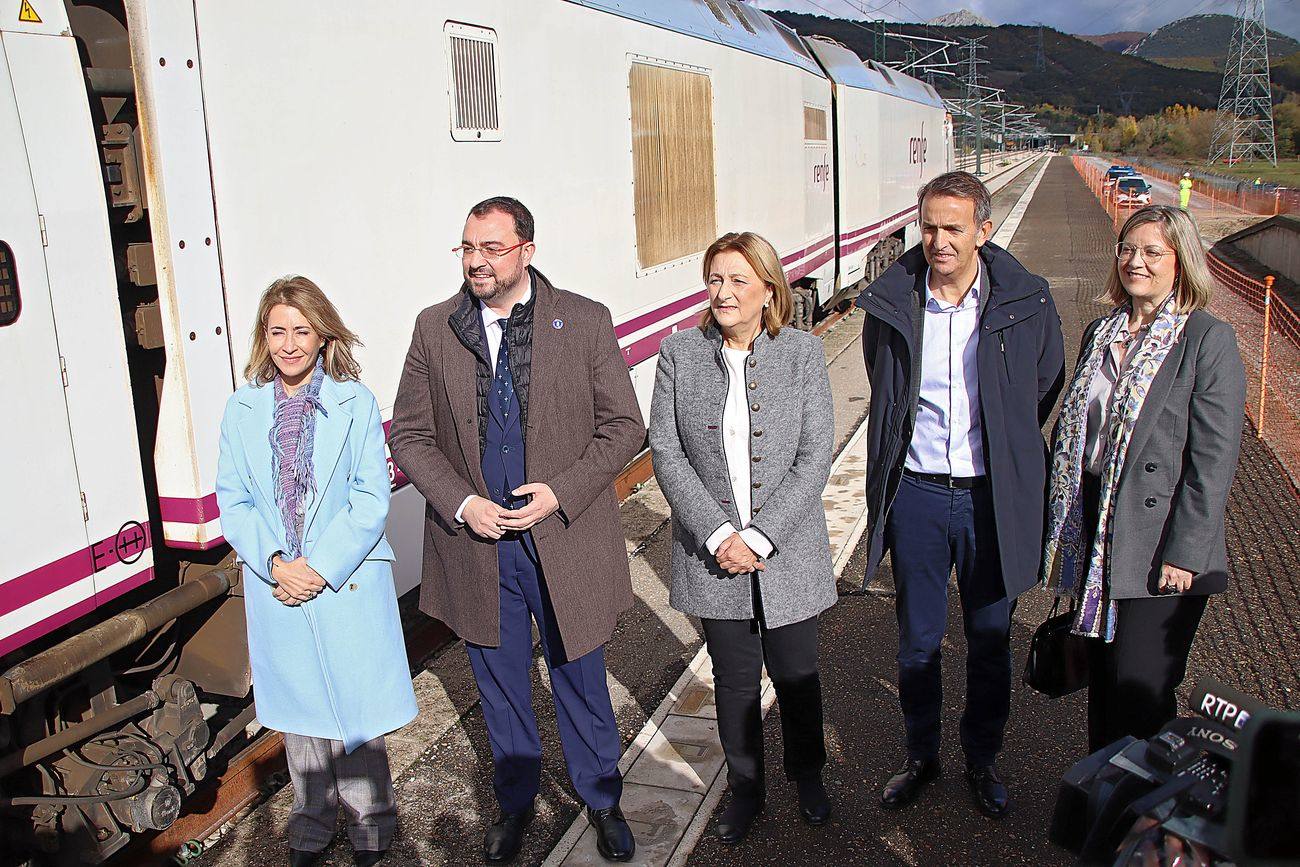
163 160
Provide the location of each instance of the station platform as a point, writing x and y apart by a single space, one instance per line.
661 687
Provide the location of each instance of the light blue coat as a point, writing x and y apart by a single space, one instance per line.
334 667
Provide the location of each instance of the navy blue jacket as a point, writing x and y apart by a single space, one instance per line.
1021 366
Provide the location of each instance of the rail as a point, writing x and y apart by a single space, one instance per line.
1268 335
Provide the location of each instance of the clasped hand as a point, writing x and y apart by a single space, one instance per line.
295 581
737 557
491 521
1174 579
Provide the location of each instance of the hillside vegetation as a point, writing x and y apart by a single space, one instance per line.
1201 42
1079 77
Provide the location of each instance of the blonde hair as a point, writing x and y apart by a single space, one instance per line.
307 298
1193 284
765 261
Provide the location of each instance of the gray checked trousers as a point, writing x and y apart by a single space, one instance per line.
324 777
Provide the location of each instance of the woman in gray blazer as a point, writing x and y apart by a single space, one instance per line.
742 428
1143 454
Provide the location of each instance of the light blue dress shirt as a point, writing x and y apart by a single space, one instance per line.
949 434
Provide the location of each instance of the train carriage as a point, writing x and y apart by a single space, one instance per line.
890 138
166 159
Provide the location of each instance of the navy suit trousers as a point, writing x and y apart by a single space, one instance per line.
930 530
584 715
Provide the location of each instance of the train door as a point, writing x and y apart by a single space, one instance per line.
819 191
52 126
41 518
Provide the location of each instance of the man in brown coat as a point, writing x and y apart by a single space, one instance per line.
514 414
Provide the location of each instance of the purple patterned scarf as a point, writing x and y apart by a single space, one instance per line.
293 437
1085 575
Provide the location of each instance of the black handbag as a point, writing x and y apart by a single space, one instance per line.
1058 659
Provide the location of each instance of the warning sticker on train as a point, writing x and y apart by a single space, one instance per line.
27 13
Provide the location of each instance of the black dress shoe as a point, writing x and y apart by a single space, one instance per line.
735 821
503 840
814 806
368 857
906 784
302 858
988 790
614 839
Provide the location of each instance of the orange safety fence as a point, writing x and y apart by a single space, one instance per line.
1268 335
1267 203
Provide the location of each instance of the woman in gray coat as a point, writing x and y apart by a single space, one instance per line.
1143 454
742 428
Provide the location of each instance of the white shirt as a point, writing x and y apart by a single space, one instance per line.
948 437
735 448
492 331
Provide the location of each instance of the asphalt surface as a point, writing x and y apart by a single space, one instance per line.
444 788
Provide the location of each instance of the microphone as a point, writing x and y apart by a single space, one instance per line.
1223 704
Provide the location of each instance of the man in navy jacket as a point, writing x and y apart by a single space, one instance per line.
964 352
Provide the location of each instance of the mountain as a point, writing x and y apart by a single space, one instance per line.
1201 42
1079 76
1115 41
961 18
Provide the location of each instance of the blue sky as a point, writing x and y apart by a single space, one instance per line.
1074 16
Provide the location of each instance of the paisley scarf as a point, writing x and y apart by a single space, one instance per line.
293 436
1084 575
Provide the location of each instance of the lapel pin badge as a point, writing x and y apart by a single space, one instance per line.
557 324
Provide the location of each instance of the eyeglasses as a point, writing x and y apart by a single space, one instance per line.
491 252
1124 252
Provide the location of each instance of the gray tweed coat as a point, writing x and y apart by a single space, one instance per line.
792 436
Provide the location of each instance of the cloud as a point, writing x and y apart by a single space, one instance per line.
1077 16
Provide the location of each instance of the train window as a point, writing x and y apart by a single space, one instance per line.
10 302
814 123
475 96
717 11
672 162
740 16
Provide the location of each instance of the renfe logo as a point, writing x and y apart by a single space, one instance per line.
916 150
822 173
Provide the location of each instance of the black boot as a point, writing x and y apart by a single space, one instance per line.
368 857
614 839
303 858
814 805
906 784
988 790
504 839
735 821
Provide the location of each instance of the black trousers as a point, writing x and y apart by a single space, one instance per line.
1132 680
739 649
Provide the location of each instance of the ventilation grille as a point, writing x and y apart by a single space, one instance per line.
475 95
10 303
792 39
672 163
740 16
716 9
814 123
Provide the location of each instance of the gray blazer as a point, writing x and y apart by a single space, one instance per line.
1173 488
792 437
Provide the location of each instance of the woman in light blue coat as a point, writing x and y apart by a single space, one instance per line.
303 488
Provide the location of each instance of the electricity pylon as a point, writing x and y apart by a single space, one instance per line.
1244 127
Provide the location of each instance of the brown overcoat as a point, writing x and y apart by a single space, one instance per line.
583 427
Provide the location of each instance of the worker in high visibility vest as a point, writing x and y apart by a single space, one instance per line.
1185 190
